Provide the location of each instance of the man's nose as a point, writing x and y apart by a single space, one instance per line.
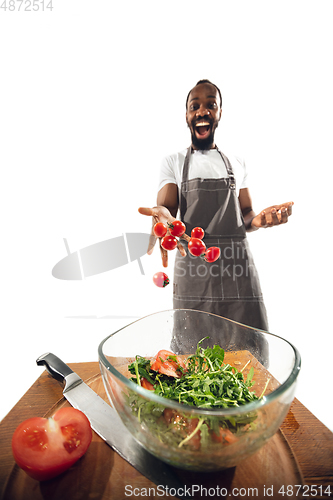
202 111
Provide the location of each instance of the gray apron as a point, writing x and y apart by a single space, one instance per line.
230 286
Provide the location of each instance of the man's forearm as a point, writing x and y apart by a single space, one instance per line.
248 217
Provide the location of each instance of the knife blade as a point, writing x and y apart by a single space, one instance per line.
106 422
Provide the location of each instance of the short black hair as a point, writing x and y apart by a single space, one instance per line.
205 81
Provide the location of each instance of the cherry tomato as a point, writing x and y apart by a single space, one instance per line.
160 229
169 242
161 279
167 366
212 254
197 232
177 228
46 447
196 247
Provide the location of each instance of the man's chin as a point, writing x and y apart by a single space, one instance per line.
203 144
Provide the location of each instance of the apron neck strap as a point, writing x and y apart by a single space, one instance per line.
232 181
187 164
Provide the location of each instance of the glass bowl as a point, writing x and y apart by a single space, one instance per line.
167 428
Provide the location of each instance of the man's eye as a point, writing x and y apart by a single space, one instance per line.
213 105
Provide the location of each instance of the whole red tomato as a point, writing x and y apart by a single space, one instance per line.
212 254
46 447
160 229
197 232
161 279
196 247
177 228
169 242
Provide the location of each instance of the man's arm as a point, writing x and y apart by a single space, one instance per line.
248 213
271 216
168 197
165 211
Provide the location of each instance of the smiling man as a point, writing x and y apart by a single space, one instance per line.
203 123
206 187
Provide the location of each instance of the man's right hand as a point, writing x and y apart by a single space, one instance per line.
160 214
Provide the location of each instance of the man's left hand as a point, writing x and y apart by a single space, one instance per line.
273 216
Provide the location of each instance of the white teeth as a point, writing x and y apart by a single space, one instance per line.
202 124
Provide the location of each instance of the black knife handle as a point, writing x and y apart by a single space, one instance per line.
57 368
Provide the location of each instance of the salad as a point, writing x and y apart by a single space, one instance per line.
200 380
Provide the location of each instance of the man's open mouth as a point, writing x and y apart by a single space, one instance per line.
202 129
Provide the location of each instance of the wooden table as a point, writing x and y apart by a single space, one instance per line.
310 441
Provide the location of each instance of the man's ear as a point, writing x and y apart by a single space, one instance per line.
186 118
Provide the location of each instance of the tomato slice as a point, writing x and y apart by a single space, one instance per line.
184 425
146 384
195 440
168 366
225 436
46 447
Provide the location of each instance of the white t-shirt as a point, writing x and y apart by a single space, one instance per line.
207 164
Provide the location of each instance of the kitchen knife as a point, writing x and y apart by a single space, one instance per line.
108 425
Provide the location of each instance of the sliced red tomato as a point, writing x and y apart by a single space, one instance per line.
194 442
225 436
155 365
184 425
146 384
46 447
170 415
168 366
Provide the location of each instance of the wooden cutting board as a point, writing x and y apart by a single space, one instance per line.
103 474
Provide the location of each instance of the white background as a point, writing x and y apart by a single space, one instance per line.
92 97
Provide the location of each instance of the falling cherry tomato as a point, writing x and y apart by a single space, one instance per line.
196 247
212 254
197 232
160 229
169 242
177 228
161 279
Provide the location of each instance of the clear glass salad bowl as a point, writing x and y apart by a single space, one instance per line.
204 438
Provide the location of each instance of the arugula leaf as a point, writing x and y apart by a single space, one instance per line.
207 381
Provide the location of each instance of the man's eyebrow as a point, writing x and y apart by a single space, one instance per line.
208 97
